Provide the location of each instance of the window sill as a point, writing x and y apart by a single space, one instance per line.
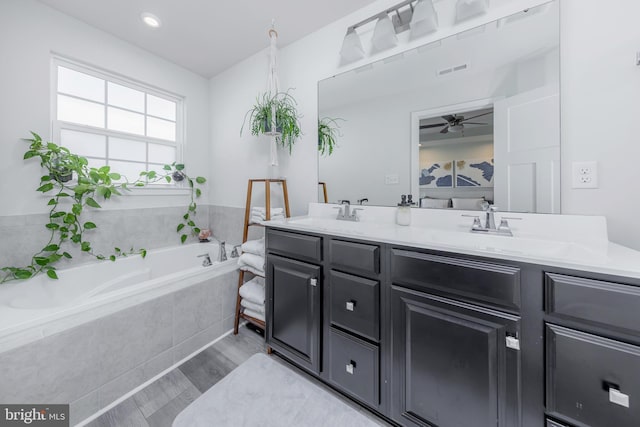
157 190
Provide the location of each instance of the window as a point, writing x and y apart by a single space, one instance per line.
113 121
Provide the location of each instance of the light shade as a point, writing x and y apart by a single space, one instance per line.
424 20
466 9
352 49
150 19
384 34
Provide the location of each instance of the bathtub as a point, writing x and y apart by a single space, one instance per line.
106 328
40 306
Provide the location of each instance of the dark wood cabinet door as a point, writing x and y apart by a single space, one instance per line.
451 364
293 310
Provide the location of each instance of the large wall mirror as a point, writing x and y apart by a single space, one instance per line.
470 118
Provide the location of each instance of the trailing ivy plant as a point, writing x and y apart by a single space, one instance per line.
70 199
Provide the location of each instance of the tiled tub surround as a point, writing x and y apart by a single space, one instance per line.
93 351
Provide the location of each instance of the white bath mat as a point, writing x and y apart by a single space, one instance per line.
262 392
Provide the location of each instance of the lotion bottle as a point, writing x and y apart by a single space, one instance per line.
403 213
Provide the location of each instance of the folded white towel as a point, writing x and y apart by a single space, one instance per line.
254 314
258 308
262 210
255 247
253 291
258 218
252 260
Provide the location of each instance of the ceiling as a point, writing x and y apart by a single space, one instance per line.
207 36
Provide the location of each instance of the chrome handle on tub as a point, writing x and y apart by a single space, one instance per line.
351 367
350 305
313 281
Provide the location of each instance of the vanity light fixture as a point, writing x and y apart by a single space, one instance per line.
424 19
466 9
151 20
384 34
352 49
389 22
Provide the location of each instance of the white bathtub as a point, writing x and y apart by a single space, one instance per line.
38 307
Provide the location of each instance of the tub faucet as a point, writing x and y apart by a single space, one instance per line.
207 260
222 251
234 252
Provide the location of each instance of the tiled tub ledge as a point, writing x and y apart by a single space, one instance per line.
118 346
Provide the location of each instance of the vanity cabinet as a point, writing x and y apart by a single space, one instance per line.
293 292
439 339
454 363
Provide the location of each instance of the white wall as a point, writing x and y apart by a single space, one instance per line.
600 102
29 33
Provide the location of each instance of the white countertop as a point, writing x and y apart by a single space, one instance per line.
566 241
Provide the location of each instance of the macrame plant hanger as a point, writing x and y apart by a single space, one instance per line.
273 89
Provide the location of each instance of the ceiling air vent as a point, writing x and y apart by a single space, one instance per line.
450 70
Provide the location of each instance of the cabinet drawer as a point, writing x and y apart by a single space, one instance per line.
355 304
606 303
295 245
353 366
491 284
355 256
581 370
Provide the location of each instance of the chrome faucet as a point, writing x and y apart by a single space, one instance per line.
222 251
489 226
207 260
346 213
234 252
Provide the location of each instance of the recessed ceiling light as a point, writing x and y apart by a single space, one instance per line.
151 20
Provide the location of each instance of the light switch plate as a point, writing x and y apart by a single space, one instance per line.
585 175
391 179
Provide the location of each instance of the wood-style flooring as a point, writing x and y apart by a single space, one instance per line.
159 403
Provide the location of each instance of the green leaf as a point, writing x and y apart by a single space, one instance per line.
191 224
196 230
139 184
201 180
76 208
53 147
85 246
179 167
143 253
100 257
168 178
117 250
104 169
67 255
192 207
63 195
151 174
80 189
69 218
183 238
22 274
76 238
198 192
52 274
112 257
92 203
40 260
29 154
52 226
186 216
46 187
143 173
89 225
45 178
51 248
115 176
54 258
95 176
166 167
57 214
180 227
52 202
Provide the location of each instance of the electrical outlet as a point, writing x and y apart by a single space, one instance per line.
391 179
585 175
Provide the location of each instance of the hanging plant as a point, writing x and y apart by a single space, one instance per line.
70 199
260 118
328 132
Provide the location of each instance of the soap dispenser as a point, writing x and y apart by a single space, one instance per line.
403 213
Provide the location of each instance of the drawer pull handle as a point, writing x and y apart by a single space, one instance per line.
512 342
619 398
313 281
351 305
351 367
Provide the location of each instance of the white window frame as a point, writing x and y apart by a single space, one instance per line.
58 125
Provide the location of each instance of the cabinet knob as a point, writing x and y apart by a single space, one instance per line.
351 367
313 281
350 305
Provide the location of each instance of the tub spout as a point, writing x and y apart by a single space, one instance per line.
222 250
207 260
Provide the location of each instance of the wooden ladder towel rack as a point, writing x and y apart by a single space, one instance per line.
247 223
